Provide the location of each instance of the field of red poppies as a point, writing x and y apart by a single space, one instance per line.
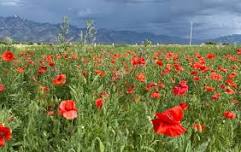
120 99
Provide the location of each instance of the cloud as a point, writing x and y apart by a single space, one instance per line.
211 18
85 12
135 1
10 2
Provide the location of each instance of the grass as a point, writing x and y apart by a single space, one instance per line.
123 124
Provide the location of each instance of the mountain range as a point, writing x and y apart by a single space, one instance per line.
23 30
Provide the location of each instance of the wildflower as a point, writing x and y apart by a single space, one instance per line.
20 70
238 51
138 61
150 85
196 78
43 89
183 105
216 96
199 127
215 76
167 69
68 110
141 77
100 73
5 134
168 123
130 90
2 88
99 103
178 67
42 70
159 62
210 56
180 89
8 56
59 80
161 85
209 89
155 95
229 91
232 75
50 113
229 115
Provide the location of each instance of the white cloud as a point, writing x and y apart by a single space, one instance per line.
10 2
85 12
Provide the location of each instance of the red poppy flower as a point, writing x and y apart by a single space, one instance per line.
196 78
183 105
194 73
20 70
50 60
199 127
209 89
141 77
161 85
180 89
229 91
216 96
232 75
231 83
130 90
5 134
150 85
100 73
99 103
42 70
222 69
7 56
68 110
2 88
169 55
159 62
50 113
155 95
168 122
239 51
44 89
215 76
138 61
210 56
59 80
167 69
229 115
178 67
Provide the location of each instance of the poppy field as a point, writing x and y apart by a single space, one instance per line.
120 99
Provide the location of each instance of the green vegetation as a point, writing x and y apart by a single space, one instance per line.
30 101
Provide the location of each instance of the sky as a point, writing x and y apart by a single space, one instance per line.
211 18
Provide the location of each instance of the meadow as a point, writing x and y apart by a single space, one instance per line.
166 98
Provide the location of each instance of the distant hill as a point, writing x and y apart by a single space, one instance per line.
23 30
235 38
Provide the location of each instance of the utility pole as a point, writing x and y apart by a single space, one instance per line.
190 42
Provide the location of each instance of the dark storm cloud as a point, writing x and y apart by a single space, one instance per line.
211 18
136 1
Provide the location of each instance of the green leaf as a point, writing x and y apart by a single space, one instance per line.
101 145
203 147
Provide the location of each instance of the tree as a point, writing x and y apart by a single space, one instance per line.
89 36
64 30
7 40
147 42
